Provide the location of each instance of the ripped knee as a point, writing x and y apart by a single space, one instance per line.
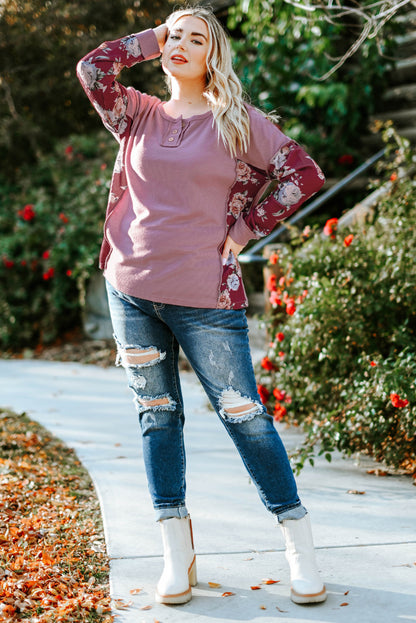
138 357
155 403
237 408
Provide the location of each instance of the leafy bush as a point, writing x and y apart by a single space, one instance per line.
50 229
280 58
40 43
342 357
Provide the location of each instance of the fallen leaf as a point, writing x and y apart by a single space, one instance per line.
377 472
251 558
263 608
146 608
344 603
214 585
269 581
51 532
346 592
355 492
135 591
277 608
255 588
122 605
227 594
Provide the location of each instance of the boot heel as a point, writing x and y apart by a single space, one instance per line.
193 580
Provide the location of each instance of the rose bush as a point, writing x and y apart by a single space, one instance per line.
50 230
342 358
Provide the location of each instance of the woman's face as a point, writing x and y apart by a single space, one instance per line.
185 52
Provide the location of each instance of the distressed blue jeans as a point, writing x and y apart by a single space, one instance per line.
215 341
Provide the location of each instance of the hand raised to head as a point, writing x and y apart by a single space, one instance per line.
161 33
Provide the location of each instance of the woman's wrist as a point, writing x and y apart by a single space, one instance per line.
161 33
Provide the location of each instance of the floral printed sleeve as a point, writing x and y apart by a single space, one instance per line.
292 177
98 71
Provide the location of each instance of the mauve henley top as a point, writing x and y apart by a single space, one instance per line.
176 192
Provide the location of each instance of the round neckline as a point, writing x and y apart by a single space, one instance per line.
181 117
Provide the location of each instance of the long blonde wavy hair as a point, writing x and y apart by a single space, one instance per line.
223 89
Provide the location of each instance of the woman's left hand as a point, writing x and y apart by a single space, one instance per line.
230 245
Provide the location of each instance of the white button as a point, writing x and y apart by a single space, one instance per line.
171 139
174 131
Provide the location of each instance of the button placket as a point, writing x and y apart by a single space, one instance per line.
173 136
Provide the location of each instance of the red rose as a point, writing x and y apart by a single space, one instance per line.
331 227
393 177
346 159
348 239
49 274
28 213
46 255
290 306
69 150
274 258
280 337
68 272
263 393
274 298
8 263
278 394
271 283
372 363
63 218
267 364
279 412
398 402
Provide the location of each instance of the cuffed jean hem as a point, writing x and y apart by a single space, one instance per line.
297 512
169 513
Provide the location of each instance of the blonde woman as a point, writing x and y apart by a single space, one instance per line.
183 203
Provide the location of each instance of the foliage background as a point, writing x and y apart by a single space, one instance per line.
280 56
40 43
342 358
55 157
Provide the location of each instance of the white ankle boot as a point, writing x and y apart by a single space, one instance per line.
306 585
179 573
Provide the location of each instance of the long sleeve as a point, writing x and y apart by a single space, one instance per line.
293 176
98 71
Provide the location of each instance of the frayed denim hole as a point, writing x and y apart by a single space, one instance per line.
231 398
138 382
133 356
170 405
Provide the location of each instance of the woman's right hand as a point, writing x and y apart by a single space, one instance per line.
161 33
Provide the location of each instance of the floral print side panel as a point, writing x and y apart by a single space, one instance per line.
248 182
293 177
232 293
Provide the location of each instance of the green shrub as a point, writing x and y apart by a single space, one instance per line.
282 54
342 360
50 230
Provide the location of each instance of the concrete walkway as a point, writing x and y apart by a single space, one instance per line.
364 526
